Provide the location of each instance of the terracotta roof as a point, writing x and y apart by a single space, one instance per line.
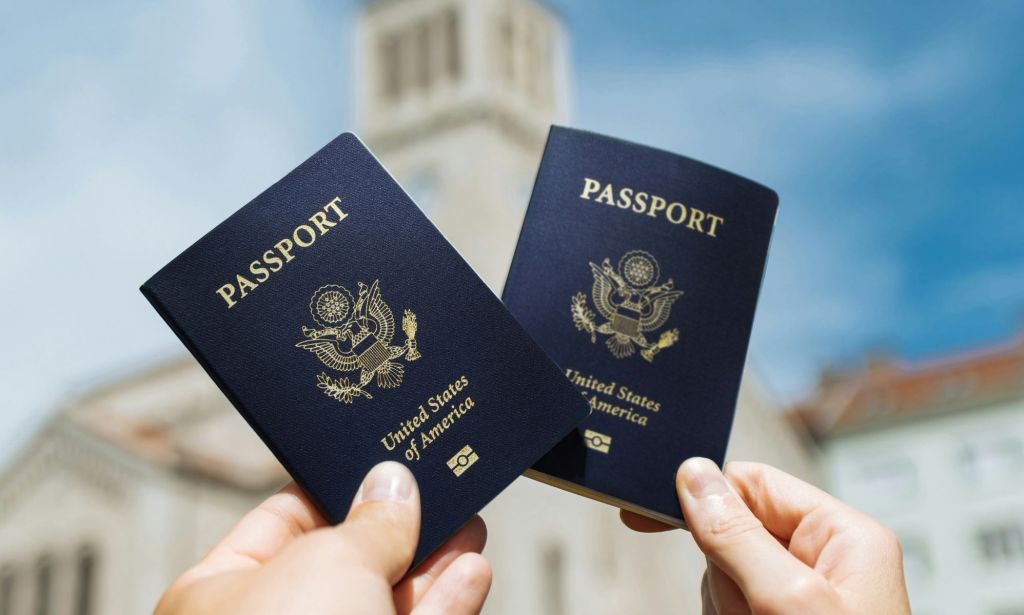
887 391
174 416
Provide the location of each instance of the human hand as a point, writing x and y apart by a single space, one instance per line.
282 557
775 544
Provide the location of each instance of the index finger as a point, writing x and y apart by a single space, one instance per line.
262 533
780 501
411 590
640 523
810 521
733 538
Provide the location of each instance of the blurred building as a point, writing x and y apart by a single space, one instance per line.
132 482
126 487
936 451
456 99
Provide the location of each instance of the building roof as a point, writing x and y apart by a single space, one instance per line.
370 5
174 416
887 390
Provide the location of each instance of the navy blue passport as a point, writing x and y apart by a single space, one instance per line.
638 271
347 331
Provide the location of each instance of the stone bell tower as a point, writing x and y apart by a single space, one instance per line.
456 97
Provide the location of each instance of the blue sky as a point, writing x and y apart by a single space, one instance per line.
892 132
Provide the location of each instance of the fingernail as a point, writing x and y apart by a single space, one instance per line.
389 481
701 477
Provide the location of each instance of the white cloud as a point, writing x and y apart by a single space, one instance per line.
116 156
747 109
1000 286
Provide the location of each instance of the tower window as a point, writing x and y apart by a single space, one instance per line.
44 585
85 581
553 579
543 59
390 67
507 48
991 461
452 44
1002 543
531 60
6 591
424 55
415 56
890 482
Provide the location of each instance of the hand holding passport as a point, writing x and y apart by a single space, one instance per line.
347 331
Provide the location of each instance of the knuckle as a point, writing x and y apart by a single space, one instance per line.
486 574
347 559
368 582
180 597
334 545
734 526
377 539
365 579
386 516
750 478
748 471
395 534
889 541
873 532
276 507
801 594
476 571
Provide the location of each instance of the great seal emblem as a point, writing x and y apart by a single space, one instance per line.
632 301
355 334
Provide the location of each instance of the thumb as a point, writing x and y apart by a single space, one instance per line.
383 525
733 538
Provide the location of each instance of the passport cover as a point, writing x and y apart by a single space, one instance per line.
347 331
638 271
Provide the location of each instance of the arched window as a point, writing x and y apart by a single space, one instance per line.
85 581
452 44
7 591
390 67
44 586
423 74
507 47
552 567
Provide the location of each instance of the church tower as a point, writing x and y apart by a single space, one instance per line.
456 97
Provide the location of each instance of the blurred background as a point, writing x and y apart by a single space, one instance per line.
887 364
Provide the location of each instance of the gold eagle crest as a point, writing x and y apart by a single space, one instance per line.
632 301
355 334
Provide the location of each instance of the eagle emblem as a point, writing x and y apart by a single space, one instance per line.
632 301
354 335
